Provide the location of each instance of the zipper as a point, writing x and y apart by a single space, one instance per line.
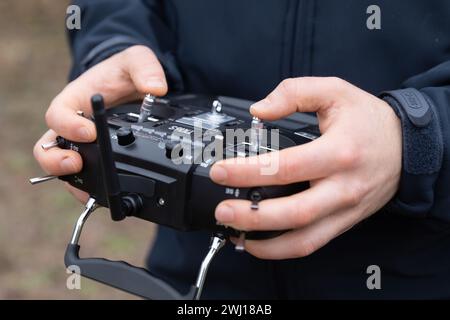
296 61
288 49
302 52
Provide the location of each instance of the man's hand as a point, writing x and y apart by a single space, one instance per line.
126 76
353 168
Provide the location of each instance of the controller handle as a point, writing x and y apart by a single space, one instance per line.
118 274
123 276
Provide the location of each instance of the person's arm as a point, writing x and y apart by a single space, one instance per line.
423 106
110 26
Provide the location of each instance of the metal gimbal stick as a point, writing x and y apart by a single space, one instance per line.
217 242
90 206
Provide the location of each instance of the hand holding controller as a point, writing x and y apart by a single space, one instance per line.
126 76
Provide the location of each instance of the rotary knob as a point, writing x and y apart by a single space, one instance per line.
125 136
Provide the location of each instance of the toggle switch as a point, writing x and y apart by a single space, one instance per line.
146 108
59 142
38 180
256 135
216 107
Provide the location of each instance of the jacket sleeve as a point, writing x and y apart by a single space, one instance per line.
110 26
423 105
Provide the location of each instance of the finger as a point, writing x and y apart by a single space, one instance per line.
123 75
56 161
77 193
284 213
135 96
303 242
307 94
310 161
145 71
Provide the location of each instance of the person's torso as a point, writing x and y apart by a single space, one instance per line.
245 48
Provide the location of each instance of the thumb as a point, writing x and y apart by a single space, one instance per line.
145 71
307 94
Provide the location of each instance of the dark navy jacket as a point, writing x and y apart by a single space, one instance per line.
245 48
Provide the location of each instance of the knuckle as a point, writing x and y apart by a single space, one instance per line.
338 86
350 198
293 214
305 215
306 247
37 151
127 55
348 155
49 114
78 164
354 193
271 98
47 164
289 86
286 169
109 80
254 221
50 117
132 51
337 82
299 216
259 251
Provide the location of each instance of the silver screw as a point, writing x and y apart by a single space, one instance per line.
161 201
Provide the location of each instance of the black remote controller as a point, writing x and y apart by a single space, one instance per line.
181 196
157 167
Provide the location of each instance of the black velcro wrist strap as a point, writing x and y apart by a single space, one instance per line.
414 104
422 139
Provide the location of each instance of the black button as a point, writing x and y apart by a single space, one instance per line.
125 136
255 195
175 148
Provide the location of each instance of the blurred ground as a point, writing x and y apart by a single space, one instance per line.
36 222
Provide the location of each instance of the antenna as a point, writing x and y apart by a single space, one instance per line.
108 168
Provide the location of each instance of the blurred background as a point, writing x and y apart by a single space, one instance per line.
36 222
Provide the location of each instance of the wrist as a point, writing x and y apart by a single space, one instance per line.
422 152
422 143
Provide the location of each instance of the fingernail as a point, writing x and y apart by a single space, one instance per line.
84 133
218 173
67 164
225 214
156 83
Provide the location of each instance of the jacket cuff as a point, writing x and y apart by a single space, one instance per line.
422 150
106 49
